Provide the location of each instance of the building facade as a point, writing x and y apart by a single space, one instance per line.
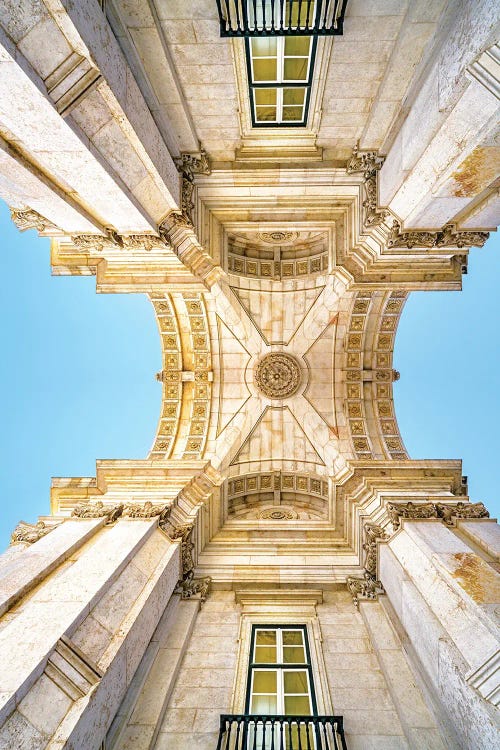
277 178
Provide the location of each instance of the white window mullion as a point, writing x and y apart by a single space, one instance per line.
279 118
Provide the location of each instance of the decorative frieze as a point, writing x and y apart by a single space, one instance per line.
98 509
29 533
448 236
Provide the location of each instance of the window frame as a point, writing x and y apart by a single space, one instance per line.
295 666
280 85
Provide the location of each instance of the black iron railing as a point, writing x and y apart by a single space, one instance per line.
281 17
258 732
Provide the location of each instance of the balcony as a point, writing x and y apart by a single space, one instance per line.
255 732
246 18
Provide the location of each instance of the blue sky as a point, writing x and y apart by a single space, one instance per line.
78 376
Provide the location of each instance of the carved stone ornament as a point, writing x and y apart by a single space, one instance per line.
277 514
98 509
191 586
147 510
364 588
461 510
372 534
184 534
188 585
29 219
277 237
448 236
364 161
396 511
29 533
114 241
189 165
368 162
278 375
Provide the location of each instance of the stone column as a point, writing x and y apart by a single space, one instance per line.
70 649
140 716
444 595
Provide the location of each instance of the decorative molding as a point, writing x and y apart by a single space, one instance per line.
29 533
448 236
147 510
97 509
277 237
189 165
28 218
294 598
364 588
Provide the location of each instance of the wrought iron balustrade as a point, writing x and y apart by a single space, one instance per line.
246 18
267 732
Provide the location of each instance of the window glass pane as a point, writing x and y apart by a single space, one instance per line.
265 638
265 69
292 114
293 655
292 637
265 654
265 46
267 96
297 705
294 96
264 704
294 682
295 69
297 46
266 682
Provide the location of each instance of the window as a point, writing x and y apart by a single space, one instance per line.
280 680
280 76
